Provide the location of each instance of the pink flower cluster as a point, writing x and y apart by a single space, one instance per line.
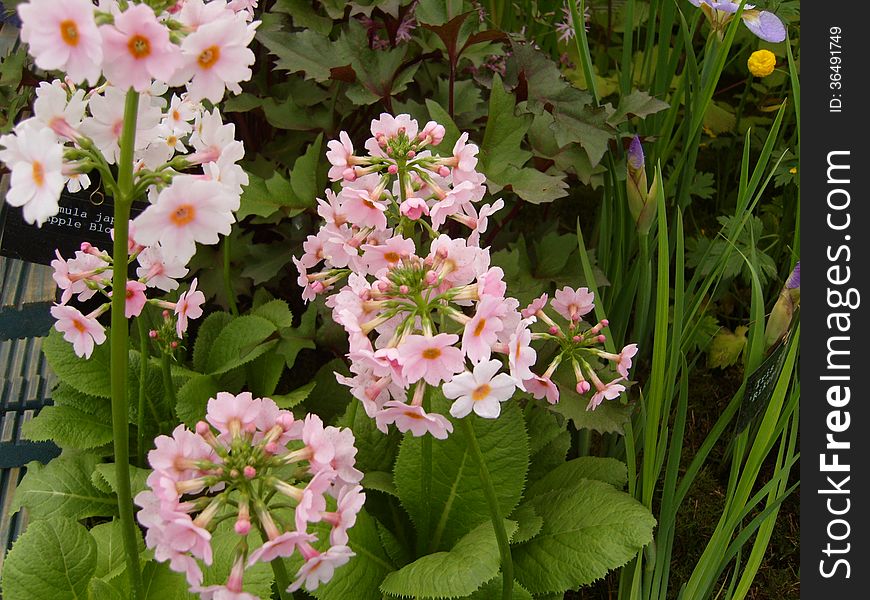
580 344
201 46
254 463
89 273
422 308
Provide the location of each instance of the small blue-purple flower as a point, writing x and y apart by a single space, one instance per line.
762 23
794 280
635 153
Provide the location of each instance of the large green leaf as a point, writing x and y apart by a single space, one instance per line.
361 577
472 561
303 179
493 591
69 427
89 376
53 560
206 336
241 341
308 51
258 578
456 501
588 530
63 488
376 452
503 136
193 398
608 470
111 560
105 478
163 584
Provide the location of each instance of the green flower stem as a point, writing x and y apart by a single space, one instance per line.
423 535
228 282
143 374
120 341
168 387
282 580
504 548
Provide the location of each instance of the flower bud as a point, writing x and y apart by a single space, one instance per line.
642 202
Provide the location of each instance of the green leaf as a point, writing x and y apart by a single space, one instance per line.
308 51
503 136
637 104
266 261
70 428
163 584
304 16
361 577
329 399
303 179
532 185
63 488
376 451
380 481
53 560
111 558
264 373
726 347
610 416
104 476
529 523
472 561
66 395
193 398
493 591
549 441
288 401
553 252
457 501
206 336
241 341
294 340
258 578
276 311
89 376
588 530
608 470
257 199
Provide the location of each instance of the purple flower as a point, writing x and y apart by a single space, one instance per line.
763 24
794 280
635 153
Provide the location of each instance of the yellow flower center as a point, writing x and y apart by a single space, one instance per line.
431 353
480 326
69 32
391 257
79 326
481 392
38 173
139 47
209 57
183 215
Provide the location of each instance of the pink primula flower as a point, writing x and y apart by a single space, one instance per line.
573 304
320 567
81 331
188 211
608 391
521 355
433 359
216 57
409 417
63 36
135 298
481 332
542 387
229 413
388 254
189 306
340 156
139 49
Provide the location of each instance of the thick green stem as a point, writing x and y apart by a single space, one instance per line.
504 548
119 344
282 580
425 526
143 374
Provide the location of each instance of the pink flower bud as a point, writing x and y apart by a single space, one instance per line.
85 247
576 339
554 330
153 334
318 287
404 289
392 169
605 323
348 174
444 171
411 154
165 314
431 277
202 428
250 472
601 338
583 387
271 448
234 473
173 345
243 526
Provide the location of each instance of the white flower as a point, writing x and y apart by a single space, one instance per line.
105 125
481 391
35 158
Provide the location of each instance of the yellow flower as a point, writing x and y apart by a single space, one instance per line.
761 63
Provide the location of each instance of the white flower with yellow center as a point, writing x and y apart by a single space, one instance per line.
481 390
